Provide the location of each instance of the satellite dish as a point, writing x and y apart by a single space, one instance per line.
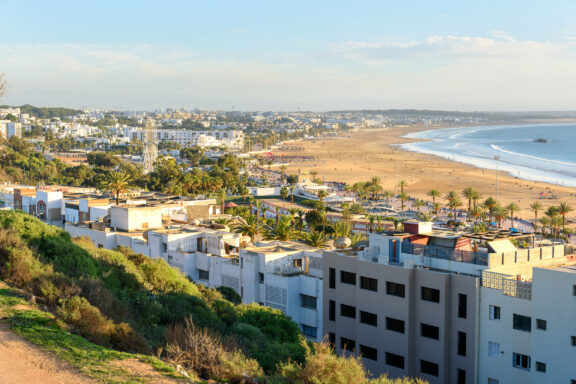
342 242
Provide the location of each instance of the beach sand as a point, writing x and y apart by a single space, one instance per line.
358 156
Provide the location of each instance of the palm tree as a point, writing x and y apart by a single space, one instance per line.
434 193
500 214
342 229
387 195
321 196
316 239
119 183
222 198
259 208
535 207
490 203
563 210
282 171
476 213
453 201
469 193
475 197
283 230
402 184
512 207
299 215
545 221
248 226
284 193
436 207
419 204
403 198
292 194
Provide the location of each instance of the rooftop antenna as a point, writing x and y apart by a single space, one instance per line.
150 149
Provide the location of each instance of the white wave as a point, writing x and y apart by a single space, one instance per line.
497 148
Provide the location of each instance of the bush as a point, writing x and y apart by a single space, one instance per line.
85 318
124 338
230 294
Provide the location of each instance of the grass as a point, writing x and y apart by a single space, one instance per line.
43 330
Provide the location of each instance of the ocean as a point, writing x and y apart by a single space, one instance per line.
553 161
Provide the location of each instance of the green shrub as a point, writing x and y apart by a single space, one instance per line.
85 318
230 294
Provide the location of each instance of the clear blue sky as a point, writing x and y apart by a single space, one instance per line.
317 55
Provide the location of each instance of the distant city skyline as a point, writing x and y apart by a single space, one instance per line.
319 56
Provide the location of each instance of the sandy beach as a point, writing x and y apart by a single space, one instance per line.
358 156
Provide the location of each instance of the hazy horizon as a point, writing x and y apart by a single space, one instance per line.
320 56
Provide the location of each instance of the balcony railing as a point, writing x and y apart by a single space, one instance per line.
479 258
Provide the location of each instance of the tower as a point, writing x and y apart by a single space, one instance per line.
150 152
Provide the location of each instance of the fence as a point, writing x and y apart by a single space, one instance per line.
479 258
508 284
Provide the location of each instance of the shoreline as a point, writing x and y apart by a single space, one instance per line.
361 155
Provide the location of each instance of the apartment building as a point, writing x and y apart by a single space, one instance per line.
282 275
528 320
413 303
232 139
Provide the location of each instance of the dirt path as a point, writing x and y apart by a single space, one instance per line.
22 363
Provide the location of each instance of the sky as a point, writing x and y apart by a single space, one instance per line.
290 55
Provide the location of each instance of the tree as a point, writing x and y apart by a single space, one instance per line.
563 210
453 201
419 204
283 230
315 218
282 171
511 208
402 184
403 196
248 226
222 198
321 196
469 193
536 207
490 203
316 239
119 183
284 193
500 214
434 193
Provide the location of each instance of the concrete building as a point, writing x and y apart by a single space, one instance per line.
410 303
528 320
232 139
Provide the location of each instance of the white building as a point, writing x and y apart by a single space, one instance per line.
233 139
528 323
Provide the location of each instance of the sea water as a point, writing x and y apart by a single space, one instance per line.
510 148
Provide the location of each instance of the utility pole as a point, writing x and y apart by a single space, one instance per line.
496 158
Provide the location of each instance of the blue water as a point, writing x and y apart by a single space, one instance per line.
553 162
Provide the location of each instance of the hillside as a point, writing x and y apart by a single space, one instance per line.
123 306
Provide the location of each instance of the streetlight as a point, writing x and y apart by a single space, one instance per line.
496 158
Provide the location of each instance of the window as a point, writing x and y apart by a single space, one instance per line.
332 310
494 312
332 339
332 278
297 263
164 247
203 275
307 301
394 325
541 324
462 304
522 323
428 368
574 290
541 367
496 381
395 289
573 341
521 361
368 283
261 276
369 318
429 331
347 277
493 349
369 352
460 376
430 294
347 344
394 360
347 311
309 331
462 343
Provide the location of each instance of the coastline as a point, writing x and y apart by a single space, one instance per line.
359 156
